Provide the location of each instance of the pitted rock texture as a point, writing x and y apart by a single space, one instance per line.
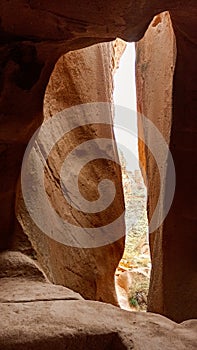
89 325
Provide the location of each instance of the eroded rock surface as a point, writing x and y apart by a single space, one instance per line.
154 98
23 281
83 76
53 317
31 43
165 96
34 35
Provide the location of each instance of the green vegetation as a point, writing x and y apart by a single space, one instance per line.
136 256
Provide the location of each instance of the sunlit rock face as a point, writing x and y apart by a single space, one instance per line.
31 43
79 77
34 35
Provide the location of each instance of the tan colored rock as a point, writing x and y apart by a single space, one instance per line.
82 76
119 47
21 280
123 299
154 100
38 315
15 264
89 325
164 94
132 289
124 280
31 43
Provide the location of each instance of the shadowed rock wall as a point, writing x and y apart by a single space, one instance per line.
34 35
166 96
31 43
154 101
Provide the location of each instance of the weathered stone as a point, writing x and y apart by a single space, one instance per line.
89 325
21 280
31 44
154 99
167 100
82 76
39 315
34 35
179 232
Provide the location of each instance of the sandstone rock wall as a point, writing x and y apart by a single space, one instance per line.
179 243
162 92
82 76
155 62
34 35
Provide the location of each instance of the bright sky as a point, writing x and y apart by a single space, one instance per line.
125 95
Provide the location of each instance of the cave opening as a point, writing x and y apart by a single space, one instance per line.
133 273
